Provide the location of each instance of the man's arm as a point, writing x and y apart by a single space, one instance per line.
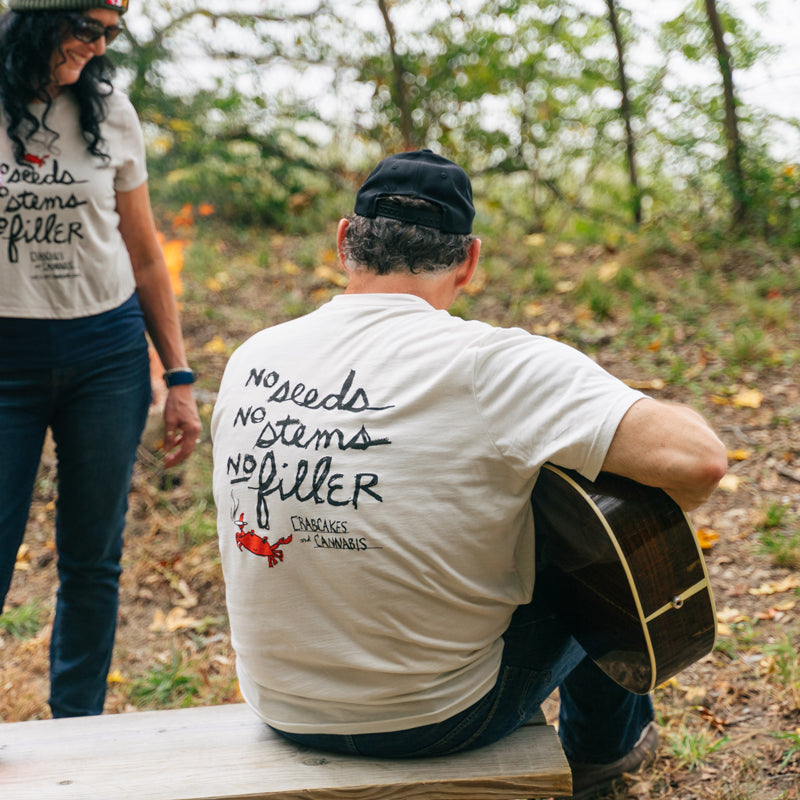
671 447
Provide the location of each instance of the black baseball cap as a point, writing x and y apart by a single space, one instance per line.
423 174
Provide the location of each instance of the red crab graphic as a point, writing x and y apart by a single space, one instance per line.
258 545
35 160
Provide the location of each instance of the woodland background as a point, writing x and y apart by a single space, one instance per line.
630 204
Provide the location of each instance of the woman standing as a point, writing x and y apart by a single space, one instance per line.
82 276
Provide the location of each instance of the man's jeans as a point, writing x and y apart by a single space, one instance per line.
96 411
599 721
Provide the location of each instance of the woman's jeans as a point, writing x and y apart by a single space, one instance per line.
599 721
96 411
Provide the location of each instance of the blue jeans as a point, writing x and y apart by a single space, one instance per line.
599 721
96 410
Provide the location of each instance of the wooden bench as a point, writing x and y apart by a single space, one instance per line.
227 752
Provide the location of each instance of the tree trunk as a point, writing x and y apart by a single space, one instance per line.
625 110
400 88
732 138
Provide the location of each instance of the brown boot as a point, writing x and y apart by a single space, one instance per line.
589 779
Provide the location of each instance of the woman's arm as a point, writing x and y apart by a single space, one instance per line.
181 420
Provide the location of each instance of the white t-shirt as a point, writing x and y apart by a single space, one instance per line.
61 253
373 465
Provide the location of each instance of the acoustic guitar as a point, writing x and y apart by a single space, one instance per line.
629 574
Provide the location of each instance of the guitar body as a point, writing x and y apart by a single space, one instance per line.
629 573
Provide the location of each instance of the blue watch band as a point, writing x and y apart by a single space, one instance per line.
178 377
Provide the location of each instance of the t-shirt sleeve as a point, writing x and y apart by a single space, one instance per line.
131 170
542 400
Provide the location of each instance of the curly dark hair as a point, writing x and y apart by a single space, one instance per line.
384 245
28 40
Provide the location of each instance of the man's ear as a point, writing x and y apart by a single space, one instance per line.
466 270
344 224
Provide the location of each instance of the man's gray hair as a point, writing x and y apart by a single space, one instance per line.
382 245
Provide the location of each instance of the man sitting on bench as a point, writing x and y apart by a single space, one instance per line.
373 467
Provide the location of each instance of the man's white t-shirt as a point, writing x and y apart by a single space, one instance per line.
61 252
373 465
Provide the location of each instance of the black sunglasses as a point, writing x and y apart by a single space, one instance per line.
88 30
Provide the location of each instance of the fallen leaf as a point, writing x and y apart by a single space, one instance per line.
657 384
115 677
712 719
290 268
563 287
739 455
776 587
608 271
583 314
729 614
730 483
551 329
329 256
695 693
477 283
748 398
215 345
693 372
331 275
23 561
534 309
564 250
157 625
535 240
176 619
707 538
189 598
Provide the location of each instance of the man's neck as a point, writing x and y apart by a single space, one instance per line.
435 288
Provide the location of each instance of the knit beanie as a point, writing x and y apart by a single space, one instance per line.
67 5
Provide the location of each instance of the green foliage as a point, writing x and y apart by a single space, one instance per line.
779 536
598 296
786 661
749 345
524 95
692 749
248 156
22 622
793 749
167 685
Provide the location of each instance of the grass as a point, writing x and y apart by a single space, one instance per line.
779 535
600 298
692 749
166 686
22 622
792 749
785 666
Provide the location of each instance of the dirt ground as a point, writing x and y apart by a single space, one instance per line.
730 724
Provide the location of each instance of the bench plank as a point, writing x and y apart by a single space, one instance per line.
224 752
